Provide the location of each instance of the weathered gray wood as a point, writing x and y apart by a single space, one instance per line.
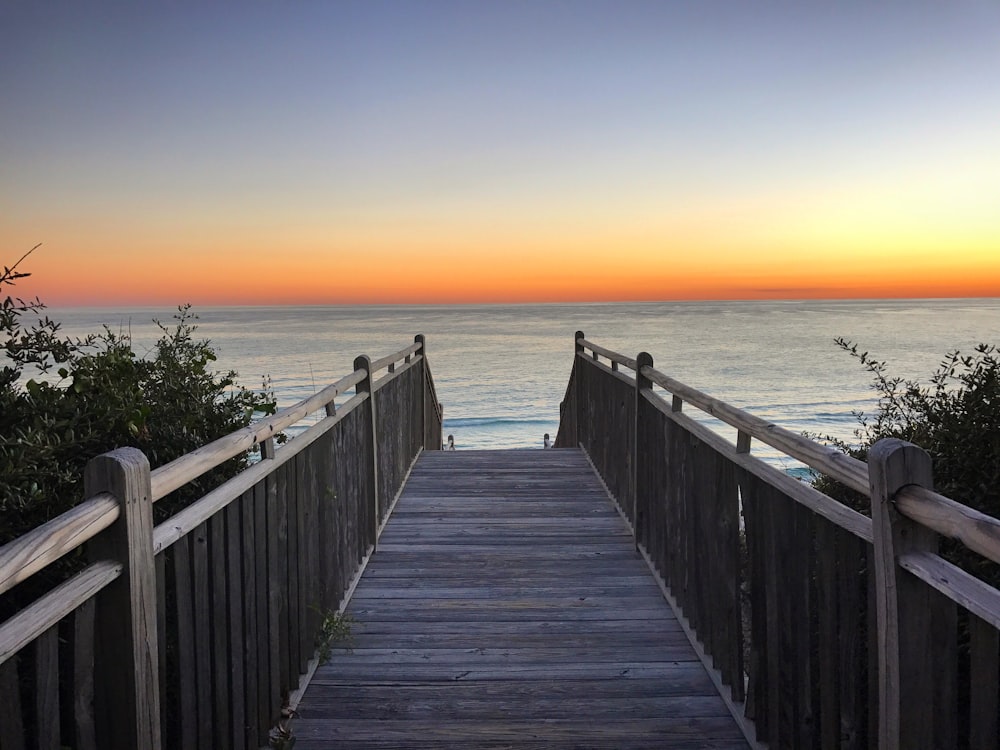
265 643
220 664
11 718
293 577
60 602
252 673
201 576
365 386
83 677
185 683
906 618
177 473
236 619
984 683
127 667
47 689
976 530
277 553
467 629
26 555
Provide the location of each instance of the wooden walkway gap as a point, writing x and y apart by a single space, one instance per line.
507 607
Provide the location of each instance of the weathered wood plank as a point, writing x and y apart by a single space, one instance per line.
220 631
47 689
236 622
201 573
11 718
83 676
529 604
187 689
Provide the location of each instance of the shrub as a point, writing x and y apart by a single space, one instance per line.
955 417
64 401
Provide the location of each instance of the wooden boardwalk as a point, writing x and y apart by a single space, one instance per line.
507 607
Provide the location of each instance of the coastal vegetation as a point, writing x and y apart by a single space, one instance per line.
65 400
955 417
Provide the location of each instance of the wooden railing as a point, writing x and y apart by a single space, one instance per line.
193 633
826 628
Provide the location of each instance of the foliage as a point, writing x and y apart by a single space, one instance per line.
955 417
64 401
335 627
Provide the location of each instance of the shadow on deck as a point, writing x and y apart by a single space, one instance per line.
507 607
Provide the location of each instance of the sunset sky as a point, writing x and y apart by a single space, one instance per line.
339 152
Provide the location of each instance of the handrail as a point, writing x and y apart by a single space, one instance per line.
391 359
182 522
977 531
22 628
840 466
608 354
190 466
23 557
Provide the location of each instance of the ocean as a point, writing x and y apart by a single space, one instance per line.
501 370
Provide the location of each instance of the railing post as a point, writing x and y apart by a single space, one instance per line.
578 400
424 394
642 383
365 386
901 600
126 645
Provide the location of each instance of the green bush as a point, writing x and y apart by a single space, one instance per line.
64 401
955 417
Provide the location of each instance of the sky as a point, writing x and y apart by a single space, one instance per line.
448 152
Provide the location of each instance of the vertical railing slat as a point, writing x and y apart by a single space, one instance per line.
83 676
47 690
185 680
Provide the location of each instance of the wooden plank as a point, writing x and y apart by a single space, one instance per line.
305 494
219 625
252 673
186 682
201 573
856 663
162 647
755 531
984 678
11 718
262 610
236 682
276 545
129 715
47 689
83 676
481 625
828 611
293 581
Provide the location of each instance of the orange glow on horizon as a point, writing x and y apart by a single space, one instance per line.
498 277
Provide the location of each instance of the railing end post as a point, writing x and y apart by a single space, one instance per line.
126 664
645 359
902 635
577 346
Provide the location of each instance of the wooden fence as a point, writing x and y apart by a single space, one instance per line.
192 633
827 628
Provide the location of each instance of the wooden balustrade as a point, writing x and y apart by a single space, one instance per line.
193 633
826 628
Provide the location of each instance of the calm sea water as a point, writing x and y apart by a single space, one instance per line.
501 371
